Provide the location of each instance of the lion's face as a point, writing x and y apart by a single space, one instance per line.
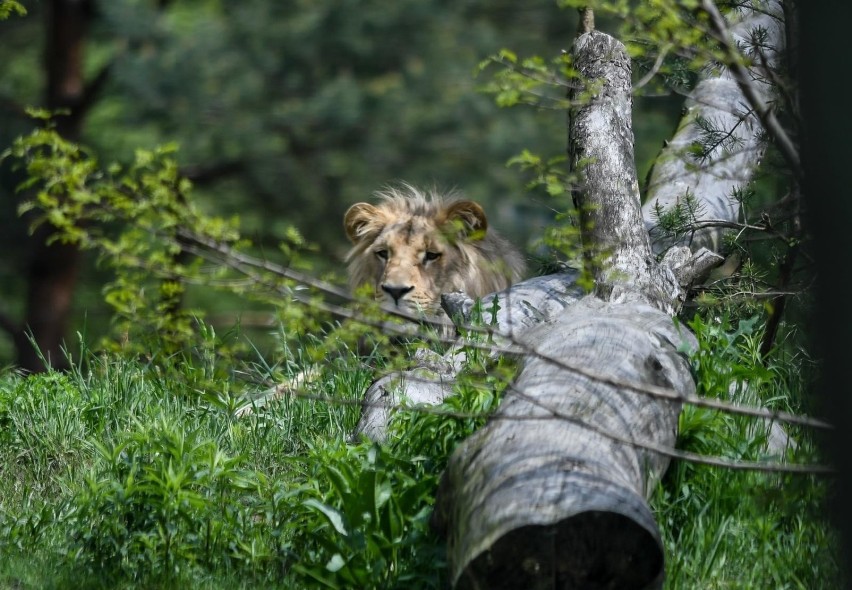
411 264
411 249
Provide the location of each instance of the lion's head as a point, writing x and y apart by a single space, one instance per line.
412 246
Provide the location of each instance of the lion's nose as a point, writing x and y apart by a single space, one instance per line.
396 292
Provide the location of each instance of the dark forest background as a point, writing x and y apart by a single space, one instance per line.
284 114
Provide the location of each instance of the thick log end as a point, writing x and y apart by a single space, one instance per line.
592 550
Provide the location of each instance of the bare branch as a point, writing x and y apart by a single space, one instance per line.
249 265
280 391
655 68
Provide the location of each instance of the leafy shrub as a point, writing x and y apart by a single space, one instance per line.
161 499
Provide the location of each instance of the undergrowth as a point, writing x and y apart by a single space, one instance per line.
123 473
725 528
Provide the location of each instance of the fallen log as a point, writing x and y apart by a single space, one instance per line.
551 492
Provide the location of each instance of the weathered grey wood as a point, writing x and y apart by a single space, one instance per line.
718 98
565 466
429 383
518 308
616 242
521 306
550 493
601 153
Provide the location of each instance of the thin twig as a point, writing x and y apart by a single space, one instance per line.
655 68
441 411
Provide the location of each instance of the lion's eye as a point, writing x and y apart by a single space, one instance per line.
430 256
382 254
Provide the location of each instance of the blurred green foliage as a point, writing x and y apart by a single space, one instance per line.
286 113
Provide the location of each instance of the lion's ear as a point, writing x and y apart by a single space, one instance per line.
361 221
469 219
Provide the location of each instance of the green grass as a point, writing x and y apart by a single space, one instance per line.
129 473
724 528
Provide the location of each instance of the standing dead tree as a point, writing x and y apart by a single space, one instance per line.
551 492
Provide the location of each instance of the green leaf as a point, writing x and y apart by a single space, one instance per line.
334 517
508 55
9 6
318 576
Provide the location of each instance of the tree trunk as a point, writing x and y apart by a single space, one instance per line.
551 493
53 268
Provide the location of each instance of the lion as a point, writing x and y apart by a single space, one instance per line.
413 246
